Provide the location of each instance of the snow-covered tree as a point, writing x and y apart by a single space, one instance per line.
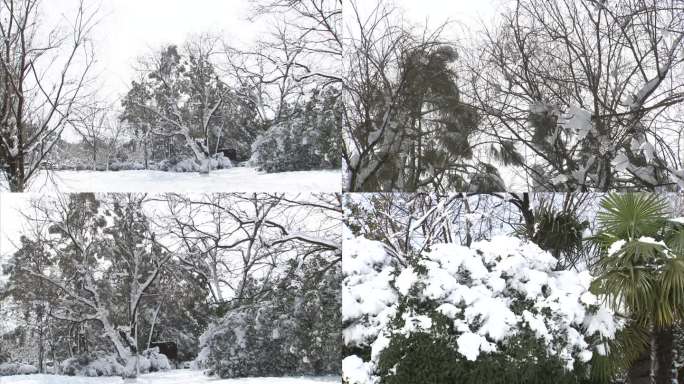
307 139
98 258
181 96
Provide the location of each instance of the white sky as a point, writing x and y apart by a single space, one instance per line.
466 16
129 29
467 12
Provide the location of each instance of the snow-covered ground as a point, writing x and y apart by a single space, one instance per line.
238 179
169 377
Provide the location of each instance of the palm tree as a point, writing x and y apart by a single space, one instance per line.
641 274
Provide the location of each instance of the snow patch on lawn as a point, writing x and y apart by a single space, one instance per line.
171 377
239 179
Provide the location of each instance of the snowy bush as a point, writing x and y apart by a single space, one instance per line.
26 369
259 340
286 148
93 365
104 364
295 331
157 361
126 166
9 369
218 161
308 139
495 303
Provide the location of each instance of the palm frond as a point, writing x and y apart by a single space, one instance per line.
632 215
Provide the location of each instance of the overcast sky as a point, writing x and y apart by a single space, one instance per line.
129 29
467 12
466 16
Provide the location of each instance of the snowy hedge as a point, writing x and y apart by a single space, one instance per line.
10 369
218 161
286 148
104 364
498 303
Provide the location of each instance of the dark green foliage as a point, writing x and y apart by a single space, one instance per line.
507 153
544 122
486 179
427 359
419 138
558 231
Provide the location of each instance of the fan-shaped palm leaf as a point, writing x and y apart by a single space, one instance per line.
632 215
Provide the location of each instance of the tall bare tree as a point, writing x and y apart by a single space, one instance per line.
581 95
43 74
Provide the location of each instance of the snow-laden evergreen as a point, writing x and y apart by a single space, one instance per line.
477 298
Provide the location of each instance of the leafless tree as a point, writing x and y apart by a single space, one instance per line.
302 52
315 29
583 95
43 74
229 239
91 125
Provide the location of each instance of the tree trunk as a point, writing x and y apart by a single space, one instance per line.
639 370
154 321
114 337
145 151
15 174
94 156
41 350
665 357
469 238
53 353
653 357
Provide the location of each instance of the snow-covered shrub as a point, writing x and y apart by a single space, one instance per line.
218 161
157 361
126 166
221 162
498 304
26 369
308 139
258 340
93 365
284 148
186 165
9 369
105 364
